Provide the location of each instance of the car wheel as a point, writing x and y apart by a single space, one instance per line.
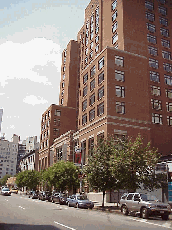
165 217
124 210
144 213
68 204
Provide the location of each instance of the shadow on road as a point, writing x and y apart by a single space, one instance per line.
26 227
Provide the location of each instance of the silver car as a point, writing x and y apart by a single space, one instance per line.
144 204
80 201
6 192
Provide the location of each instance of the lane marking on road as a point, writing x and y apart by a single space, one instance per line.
21 207
166 225
64 225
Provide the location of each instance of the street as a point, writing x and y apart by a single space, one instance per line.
20 212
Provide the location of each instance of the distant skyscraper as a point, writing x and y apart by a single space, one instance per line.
1 113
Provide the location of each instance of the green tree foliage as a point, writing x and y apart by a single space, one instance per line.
4 179
123 164
64 175
99 170
28 178
134 164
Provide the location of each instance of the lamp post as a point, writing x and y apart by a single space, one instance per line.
81 167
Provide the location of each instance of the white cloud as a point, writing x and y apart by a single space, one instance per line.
18 60
33 100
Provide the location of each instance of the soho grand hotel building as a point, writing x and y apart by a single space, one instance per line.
118 76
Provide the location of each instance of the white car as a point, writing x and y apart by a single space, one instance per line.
6 192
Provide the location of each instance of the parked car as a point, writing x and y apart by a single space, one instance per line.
34 195
6 192
144 204
45 195
79 201
14 190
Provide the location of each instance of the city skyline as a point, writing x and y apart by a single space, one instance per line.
32 40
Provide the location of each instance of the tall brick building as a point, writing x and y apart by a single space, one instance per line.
118 74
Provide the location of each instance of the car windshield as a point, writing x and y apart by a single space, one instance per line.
148 197
5 189
82 198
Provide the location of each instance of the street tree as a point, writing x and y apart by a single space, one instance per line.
134 164
99 170
64 175
4 179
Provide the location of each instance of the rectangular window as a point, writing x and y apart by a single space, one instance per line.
101 77
119 75
84 105
156 118
161 1
87 33
114 38
166 55
114 16
154 76
92 114
119 61
155 90
169 120
86 60
168 80
86 41
92 84
156 104
84 119
85 78
163 21
97 48
92 71
149 5
96 29
100 93
100 109
120 107
62 101
120 91
150 16
91 145
165 43
114 27
85 89
153 63
151 27
97 21
151 38
91 54
91 35
92 99
57 113
86 51
96 39
114 5
91 45
101 63
162 10
164 32
169 106
63 84
92 28
168 93
92 19
64 68
167 67
153 51
63 76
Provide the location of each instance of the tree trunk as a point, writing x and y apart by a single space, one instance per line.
118 198
103 198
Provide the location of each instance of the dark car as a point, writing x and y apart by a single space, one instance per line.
45 195
34 195
80 201
6 192
59 198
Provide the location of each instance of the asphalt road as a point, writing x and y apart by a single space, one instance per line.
21 213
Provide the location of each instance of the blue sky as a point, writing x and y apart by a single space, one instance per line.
33 33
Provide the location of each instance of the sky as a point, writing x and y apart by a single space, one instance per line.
33 34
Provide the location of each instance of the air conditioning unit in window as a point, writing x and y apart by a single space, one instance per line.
119 109
156 106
